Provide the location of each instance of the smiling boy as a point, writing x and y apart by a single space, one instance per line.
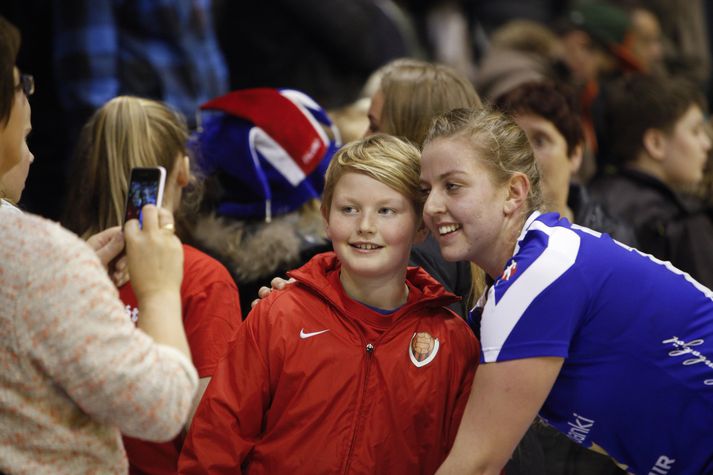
358 367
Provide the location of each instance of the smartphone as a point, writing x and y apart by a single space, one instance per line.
145 187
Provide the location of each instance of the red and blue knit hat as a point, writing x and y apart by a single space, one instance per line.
270 149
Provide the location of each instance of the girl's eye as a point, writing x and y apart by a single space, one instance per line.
425 192
387 211
452 186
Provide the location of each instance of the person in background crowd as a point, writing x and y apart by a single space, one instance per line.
660 145
547 112
263 153
132 132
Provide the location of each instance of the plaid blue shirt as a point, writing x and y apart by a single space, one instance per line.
159 49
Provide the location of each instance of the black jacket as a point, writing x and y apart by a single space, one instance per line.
589 213
667 225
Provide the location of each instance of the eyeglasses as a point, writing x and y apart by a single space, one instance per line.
26 85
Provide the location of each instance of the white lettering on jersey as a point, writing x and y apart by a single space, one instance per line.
580 428
662 466
684 348
557 258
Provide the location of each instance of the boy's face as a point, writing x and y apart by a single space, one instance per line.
372 228
686 149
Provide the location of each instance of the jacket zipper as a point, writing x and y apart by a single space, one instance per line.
369 352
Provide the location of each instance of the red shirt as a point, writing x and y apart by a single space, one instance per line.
211 315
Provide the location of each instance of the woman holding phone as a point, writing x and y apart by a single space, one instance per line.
127 133
75 371
610 346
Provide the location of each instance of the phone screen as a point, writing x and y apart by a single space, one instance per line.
145 187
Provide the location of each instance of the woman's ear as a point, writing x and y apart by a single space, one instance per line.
654 142
518 187
183 177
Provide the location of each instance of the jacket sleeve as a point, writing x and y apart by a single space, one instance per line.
229 419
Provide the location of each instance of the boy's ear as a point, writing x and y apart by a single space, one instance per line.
518 188
183 177
654 142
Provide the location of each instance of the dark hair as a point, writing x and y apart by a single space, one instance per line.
553 101
9 46
638 102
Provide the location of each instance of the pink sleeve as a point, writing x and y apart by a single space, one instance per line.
75 327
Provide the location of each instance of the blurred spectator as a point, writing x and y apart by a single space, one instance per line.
132 132
687 37
596 35
410 94
325 49
263 153
657 135
548 114
647 40
520 51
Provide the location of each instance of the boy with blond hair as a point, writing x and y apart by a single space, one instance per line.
359 367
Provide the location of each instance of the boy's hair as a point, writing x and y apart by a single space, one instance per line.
552 101
416 91
9 47
126 132
640 102
500 144
384 158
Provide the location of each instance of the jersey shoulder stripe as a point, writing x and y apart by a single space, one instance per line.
501 315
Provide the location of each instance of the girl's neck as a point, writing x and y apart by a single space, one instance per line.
504 247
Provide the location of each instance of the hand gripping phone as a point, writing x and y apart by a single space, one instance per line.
145 187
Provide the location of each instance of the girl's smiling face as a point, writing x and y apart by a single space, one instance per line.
465 207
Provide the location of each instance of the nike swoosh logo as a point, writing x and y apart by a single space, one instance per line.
304 335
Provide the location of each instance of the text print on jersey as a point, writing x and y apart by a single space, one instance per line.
683 348
304 335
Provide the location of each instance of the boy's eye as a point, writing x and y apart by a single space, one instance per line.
348 209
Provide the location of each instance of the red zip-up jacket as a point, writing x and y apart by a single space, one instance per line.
301 390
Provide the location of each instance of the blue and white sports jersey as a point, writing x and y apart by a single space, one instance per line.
636 334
